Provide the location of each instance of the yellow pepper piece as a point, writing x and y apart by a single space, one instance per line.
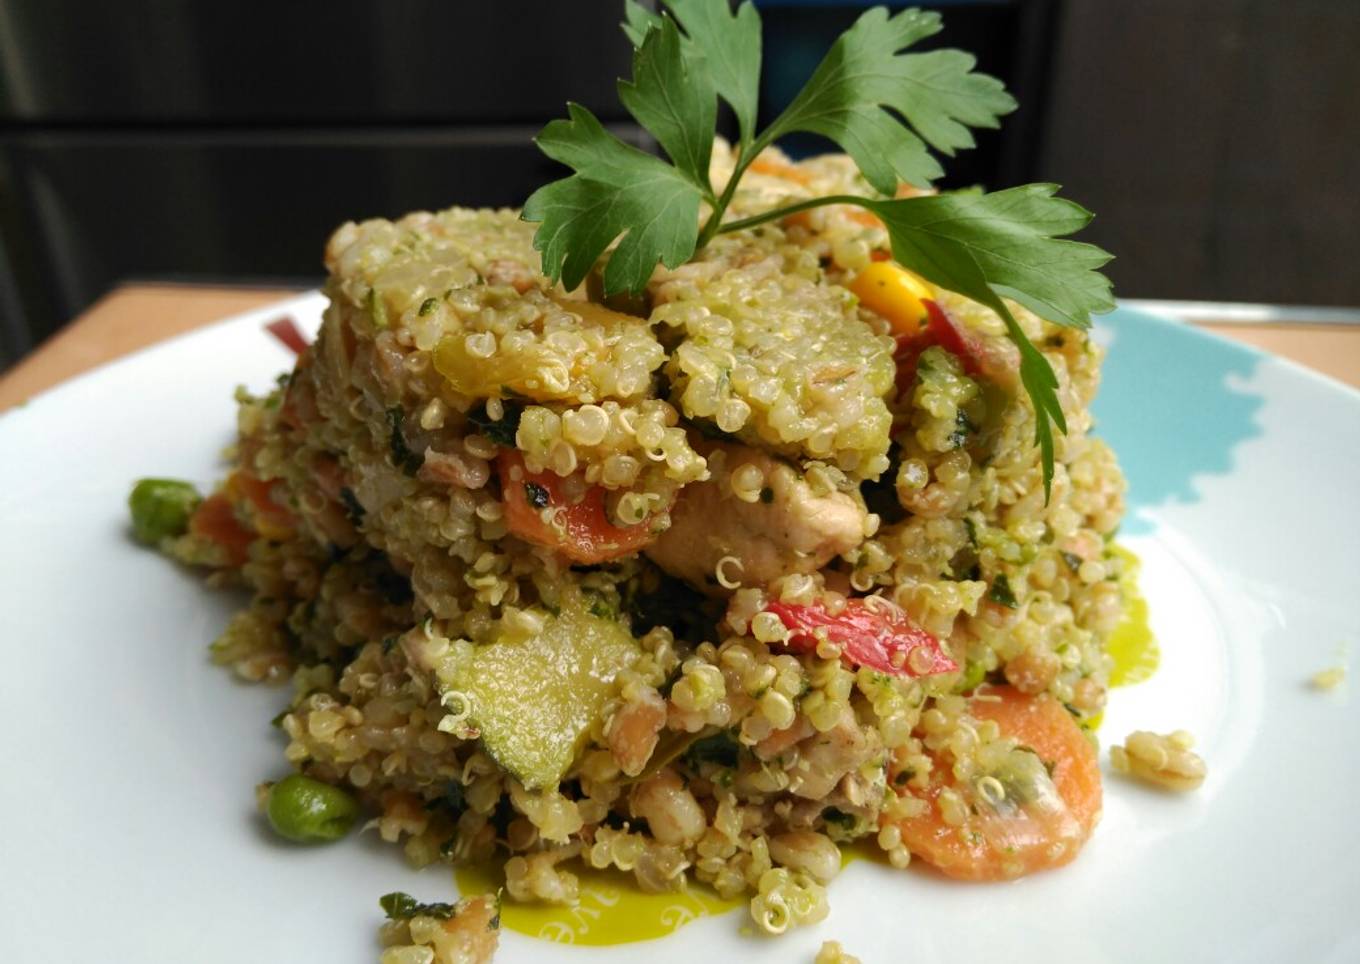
237 491
892 291
272 530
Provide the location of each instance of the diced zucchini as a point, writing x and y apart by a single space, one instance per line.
534 699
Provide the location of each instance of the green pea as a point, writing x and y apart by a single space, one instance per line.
973 674
309 811
161 508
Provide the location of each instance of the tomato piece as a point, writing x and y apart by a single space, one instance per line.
580 530
215 520
1037 808
285 329
879 636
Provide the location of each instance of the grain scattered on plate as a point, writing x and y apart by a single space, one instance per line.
1328 679
1163 760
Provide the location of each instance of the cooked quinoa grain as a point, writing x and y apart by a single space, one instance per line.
831 952
1164 760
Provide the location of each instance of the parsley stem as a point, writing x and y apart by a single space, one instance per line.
784 212
745 155
714 223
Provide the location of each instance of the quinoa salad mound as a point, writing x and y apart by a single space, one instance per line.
560 582
696 580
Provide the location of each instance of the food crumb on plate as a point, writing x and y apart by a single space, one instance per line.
463 933
1164 760
831 952
1328 679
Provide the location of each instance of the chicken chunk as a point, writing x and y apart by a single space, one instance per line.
830 756
788 528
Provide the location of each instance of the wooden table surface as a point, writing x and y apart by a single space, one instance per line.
136 315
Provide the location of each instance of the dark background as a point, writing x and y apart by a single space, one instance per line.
171 139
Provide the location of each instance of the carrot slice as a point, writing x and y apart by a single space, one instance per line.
579 530
865 217
857 214
1033 812
773 168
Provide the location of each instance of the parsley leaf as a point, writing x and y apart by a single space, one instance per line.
864 83
620 192
1001 592
453 801
858 96
886 108
617 190
729 41
402 455
502 430
637 20
399 906
354 509
536 495
1006 245
720 748
673 98
837 817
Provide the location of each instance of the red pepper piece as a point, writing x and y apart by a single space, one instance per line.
875 635
954 339
285 329
996 360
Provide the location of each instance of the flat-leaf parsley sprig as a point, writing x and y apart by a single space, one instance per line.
884 107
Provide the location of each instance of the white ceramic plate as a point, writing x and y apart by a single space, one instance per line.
127 823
